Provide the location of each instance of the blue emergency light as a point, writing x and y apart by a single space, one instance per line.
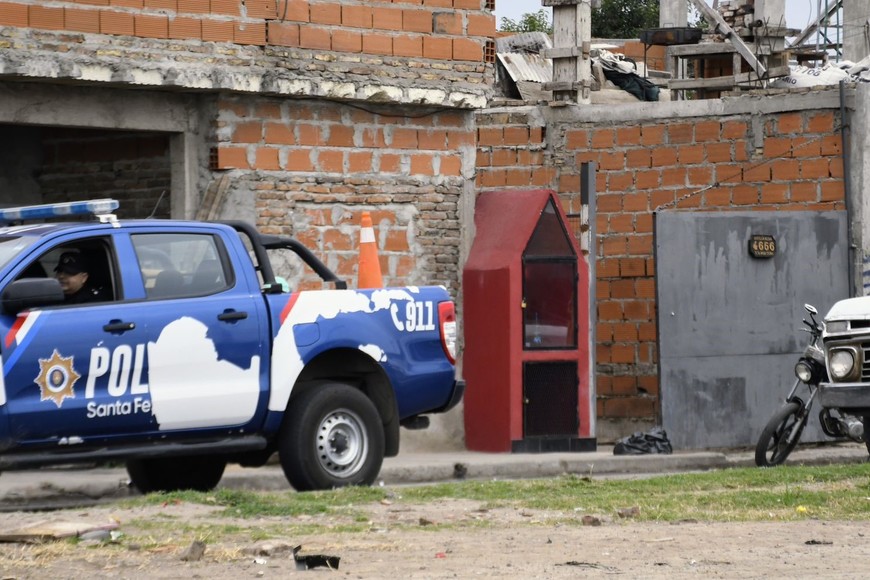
52 210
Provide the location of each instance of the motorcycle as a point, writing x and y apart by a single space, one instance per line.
783 431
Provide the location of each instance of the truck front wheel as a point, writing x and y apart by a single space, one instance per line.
332 436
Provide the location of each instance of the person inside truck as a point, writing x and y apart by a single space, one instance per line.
73 271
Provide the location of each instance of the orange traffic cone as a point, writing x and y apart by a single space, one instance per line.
369 275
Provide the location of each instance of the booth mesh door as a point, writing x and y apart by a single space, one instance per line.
550 396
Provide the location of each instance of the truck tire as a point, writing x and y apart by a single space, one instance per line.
201 473
332 436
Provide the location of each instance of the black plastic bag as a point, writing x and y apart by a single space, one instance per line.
654 441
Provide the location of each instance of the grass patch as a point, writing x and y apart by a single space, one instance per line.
840 492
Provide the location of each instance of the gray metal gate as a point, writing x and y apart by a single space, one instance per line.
729 321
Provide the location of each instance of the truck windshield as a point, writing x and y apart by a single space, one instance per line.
11 246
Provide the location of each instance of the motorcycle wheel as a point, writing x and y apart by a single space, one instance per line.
773 447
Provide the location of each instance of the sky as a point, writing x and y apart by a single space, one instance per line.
797 12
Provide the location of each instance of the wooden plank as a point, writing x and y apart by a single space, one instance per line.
562 52
584 40
53 530
220 197
724 82
706 48
213 200
207 201
562 86
778 71
721 26
710 83
572 25
565 35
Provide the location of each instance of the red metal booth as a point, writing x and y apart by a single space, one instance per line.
526 360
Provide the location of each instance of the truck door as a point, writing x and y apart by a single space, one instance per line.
206 353
60 388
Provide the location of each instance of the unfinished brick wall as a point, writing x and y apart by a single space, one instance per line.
314 166
411 70
437 29
781 161
265 41
655 55
132 168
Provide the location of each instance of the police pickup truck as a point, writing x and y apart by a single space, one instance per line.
189 354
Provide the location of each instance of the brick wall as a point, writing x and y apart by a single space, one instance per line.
314 166
778 161
654 55
84 164
412 70
437 29
291 47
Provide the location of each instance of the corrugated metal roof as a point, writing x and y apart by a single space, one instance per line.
527 67
525 42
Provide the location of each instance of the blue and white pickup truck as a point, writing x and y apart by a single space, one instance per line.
192 354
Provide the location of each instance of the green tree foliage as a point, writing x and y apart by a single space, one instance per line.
695 20
624 18
530 22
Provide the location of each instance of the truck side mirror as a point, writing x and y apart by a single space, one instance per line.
31 293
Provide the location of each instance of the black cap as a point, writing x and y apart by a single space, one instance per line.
71 263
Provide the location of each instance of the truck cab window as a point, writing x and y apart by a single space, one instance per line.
84 269
181 265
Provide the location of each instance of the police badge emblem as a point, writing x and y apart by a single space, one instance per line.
56 378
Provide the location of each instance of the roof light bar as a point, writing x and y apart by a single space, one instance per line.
52 210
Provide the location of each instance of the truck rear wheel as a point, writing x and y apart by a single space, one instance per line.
201 473
332 436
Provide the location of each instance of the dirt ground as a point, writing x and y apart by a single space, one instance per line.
443 539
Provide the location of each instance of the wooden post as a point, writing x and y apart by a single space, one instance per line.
720 26
572 39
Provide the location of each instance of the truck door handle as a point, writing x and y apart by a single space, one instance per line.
232 315
119 326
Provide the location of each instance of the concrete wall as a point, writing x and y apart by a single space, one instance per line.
856 30
758 152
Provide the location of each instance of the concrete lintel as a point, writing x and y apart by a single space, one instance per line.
213 78
49 104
